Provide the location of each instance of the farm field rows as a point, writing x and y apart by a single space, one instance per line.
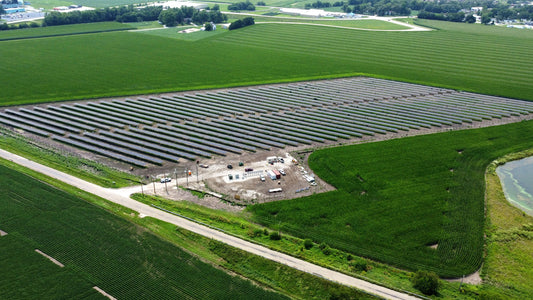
415 203
397 198
151 130
487 62
62 30
100 249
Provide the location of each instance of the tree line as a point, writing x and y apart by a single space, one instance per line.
451 17
242 6
242 23
124 14
179 16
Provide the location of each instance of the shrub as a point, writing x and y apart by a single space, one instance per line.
308 244
275 236
323 246
426 282
359 265
327 250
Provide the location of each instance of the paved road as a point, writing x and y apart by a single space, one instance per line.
119 197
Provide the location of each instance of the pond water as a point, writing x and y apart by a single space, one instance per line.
517 182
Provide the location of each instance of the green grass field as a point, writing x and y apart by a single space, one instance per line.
510 240
360 23
97 248
173 33
134 63
398 197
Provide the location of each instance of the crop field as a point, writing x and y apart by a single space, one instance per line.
62 30
150 130
397 198
487 61
97 249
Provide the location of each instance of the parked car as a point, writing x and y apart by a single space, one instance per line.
262 177
248 170
281 160
166 179
203 166
230 167
230 176
282 172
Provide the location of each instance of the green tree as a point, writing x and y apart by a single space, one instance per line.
485 19
208 26
426 282
470 19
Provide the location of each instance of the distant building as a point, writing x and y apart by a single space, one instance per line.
15 10
311 12
476 9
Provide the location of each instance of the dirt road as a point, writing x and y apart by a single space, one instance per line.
119 197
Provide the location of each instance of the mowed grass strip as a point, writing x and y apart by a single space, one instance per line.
356 23
397 198
123 259
482 59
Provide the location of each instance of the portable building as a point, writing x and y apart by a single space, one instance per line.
272 159
271 174
277 173
277 190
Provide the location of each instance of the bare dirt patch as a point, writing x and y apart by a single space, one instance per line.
473 278
104 293
50 258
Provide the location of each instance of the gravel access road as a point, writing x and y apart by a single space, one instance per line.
119 197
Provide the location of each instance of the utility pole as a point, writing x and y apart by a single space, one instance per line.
142 190
176 175
153 182
187 175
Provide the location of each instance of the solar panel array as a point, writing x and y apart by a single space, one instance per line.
153 130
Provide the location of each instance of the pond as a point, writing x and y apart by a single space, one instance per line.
517 183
